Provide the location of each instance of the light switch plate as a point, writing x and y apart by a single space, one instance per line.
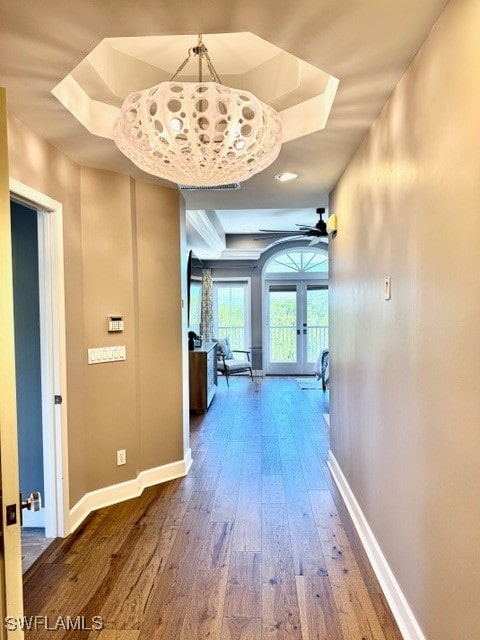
99 355
388 288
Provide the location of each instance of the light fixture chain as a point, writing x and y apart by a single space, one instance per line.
200 57
212 69
201 51
182 65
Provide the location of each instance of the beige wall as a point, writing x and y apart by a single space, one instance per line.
40 166
122 256
108 288
405 394
160 325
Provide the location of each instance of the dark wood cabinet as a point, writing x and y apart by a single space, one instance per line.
202 376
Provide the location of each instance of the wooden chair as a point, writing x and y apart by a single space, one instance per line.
227 364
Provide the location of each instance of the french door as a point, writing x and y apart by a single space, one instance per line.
296 326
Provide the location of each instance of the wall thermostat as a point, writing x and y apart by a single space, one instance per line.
115 324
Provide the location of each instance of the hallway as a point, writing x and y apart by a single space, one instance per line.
253 544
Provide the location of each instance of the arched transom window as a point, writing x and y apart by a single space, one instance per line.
298 261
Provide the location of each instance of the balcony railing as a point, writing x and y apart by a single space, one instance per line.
235 334
317 340
283 343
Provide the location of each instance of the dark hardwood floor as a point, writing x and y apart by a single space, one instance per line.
255 543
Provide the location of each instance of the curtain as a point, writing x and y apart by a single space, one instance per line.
206 322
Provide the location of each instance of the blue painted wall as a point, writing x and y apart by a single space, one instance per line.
27 347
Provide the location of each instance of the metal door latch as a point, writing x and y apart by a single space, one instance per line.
32 503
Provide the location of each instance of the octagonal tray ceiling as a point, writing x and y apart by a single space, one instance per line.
95 89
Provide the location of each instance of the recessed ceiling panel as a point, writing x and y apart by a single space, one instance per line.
302 93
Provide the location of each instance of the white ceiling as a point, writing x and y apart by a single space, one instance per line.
237 222
366 44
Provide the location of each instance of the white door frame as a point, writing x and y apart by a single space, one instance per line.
301 283
284 277
53 353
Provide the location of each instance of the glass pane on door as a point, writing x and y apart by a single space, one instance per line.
317 322
283 326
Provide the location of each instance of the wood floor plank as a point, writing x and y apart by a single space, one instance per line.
384 615
199 457
238 429
277 560
242 599
208 470
226 495
125 606
253 440
280 611
167 608
118 634
271 464
44 587
78 542
294 481
310 463
306 551
248 517
356 611
77 589
248 533
250 483
287 447
237 550
320 441
368 575
242 629
272 488
307 554
318 613
204 615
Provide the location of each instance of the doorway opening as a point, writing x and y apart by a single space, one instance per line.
295 310
37 247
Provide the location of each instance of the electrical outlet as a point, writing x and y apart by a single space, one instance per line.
121 457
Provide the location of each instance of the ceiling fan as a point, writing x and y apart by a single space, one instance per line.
316 233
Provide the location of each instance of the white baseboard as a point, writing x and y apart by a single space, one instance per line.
126 490
32 519
401 610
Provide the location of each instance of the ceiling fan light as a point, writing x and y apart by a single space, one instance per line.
286 176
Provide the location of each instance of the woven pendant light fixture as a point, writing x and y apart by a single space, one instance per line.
198 133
